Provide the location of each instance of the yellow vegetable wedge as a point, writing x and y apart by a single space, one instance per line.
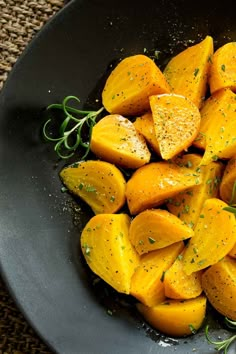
151 185
180 286
145 126
130 84
176 122
176 318
115 139
187 73
228 182
100 184
219 285
214 237
147 282
187 205
108 252
223 68
217 133
156 228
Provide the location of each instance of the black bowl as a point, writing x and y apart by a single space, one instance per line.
40 226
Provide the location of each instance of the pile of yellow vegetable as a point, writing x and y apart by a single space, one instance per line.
176 248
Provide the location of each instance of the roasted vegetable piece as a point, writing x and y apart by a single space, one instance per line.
228 183
108 252
187 205
130 84
176 318
115 139
187 72
219 285
156 228
176 121
152 184
214 237
217 131
147 282
180 286
100 184
223 68
145 126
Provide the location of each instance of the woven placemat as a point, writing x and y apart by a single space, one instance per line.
20 20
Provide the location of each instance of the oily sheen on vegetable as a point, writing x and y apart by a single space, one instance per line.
162 186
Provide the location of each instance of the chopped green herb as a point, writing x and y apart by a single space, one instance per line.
189 163
215 158
223 67
90 189
196 71
87 249
192 328
151 240
179 257
209 181
112 199
198 169
156 54
209 59
191 225
109 312
200 263
186 209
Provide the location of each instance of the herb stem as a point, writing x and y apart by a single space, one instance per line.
224 344
65 146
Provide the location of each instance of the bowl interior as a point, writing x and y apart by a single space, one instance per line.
40 226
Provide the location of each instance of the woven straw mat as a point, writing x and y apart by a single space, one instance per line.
20 20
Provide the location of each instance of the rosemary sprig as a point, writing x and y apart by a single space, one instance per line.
63 145
224 344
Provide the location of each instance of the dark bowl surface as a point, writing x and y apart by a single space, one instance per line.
40 226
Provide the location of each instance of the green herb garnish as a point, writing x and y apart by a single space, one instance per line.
192 329
232 207
71 138
226 343
223 67
233 194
